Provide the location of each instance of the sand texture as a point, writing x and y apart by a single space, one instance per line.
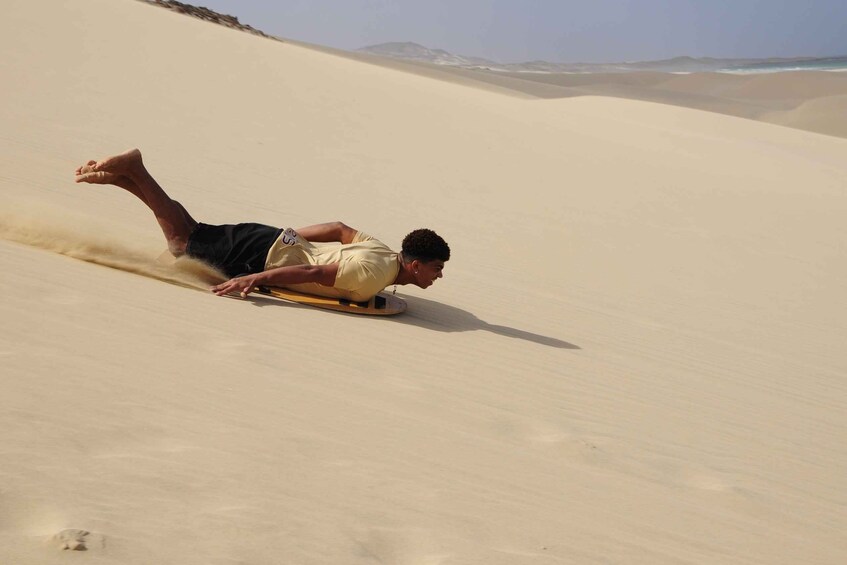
636 354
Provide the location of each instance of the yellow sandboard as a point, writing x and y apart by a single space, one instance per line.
380 305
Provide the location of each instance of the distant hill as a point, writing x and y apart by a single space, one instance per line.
416 52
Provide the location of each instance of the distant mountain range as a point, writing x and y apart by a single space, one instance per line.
416 52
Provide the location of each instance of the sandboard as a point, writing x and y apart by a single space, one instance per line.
380 305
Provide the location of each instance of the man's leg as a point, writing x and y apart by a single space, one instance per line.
127 171
86 173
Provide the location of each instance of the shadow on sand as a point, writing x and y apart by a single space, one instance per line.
439 317
432 315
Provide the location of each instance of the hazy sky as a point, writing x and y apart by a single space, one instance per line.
563 30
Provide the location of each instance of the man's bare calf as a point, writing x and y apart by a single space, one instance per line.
127 171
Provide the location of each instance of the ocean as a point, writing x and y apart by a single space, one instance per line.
834 64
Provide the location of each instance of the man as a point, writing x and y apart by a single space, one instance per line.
258 255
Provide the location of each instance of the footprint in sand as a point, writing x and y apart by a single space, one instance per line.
401 546
77 540
546 435
705 481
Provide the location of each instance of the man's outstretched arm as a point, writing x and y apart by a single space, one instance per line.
281 276
331 231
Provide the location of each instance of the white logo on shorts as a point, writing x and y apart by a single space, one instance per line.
289 236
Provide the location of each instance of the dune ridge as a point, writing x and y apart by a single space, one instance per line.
800 94
751 96
825 114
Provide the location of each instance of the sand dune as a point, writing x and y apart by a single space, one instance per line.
827 114
757 97
800 85
756 86
635 356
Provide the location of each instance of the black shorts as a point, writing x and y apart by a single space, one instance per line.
232 249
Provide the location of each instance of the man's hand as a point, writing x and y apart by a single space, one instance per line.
281 276
242 285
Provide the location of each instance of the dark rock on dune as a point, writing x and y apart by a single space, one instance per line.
208 15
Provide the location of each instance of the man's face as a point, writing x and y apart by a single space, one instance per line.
426 273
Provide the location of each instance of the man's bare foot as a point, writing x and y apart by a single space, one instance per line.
86 173
124 163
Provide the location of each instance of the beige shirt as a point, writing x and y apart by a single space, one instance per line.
365 266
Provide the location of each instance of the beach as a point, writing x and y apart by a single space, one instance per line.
636 354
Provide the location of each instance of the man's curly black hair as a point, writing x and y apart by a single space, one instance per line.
425 245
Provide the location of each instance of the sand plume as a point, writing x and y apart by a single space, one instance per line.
46 228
